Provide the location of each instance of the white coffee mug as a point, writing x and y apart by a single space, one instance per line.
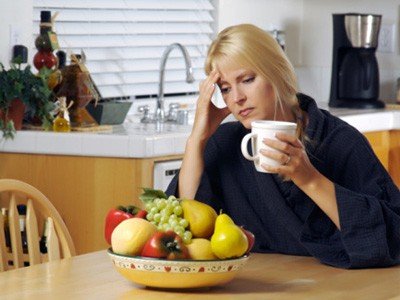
260 130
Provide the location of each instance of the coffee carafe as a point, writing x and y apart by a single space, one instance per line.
355 73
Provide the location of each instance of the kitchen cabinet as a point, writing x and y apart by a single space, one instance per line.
386 145
82 188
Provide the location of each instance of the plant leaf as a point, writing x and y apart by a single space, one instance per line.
149 195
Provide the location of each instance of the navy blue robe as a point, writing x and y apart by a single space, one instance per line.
284 219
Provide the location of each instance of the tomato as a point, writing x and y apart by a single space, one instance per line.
167 245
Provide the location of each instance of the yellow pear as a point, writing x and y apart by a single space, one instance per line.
200 249
228 240
201 218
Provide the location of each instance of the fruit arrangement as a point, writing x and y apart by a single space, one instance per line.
172 228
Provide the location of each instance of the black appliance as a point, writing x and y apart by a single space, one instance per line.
355 73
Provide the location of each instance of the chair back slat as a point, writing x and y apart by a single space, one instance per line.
15 233
39 210
32 235
3 250
53 248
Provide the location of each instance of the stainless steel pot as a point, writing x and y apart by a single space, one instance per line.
363 29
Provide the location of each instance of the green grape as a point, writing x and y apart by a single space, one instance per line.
184 223
166 214
149 206
173 223
164 219
156 201
161 204
157 217
153 210
169 209
150 217
187 237
178 210
179 230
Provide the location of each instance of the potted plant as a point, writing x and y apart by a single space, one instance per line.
23 92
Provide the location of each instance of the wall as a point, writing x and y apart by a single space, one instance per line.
18 15
267 14
308 26
308 33
315 70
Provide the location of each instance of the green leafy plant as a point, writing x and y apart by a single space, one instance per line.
149 195
32 90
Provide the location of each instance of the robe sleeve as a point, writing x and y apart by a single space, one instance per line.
209 189
369 211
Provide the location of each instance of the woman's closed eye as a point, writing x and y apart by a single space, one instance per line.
249 79
225 90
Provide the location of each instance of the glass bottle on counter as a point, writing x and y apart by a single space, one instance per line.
55 78
45 43
62 122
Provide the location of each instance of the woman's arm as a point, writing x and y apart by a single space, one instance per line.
192 168
297 167
363 200
207 119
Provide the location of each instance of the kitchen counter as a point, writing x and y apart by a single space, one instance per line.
135 140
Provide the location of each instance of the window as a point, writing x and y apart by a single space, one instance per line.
124 40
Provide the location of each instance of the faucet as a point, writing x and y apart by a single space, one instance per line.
160 112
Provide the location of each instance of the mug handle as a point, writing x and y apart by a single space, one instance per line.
243 147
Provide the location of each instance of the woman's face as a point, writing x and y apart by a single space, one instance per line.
248 95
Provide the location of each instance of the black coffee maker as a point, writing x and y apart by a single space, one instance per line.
355 73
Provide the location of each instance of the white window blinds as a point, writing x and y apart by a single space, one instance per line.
124 40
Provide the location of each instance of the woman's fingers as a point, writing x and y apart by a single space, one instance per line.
280 157
207 86
291 139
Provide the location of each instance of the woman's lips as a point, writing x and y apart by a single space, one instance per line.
245 112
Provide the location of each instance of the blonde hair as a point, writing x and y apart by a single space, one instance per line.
250 46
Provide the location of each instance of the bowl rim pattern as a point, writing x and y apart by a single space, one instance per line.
149 264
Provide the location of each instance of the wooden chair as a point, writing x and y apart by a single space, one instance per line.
38 210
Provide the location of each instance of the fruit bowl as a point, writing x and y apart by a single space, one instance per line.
161 273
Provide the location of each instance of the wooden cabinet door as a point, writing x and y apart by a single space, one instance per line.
380 142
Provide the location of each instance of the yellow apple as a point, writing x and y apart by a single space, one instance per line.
130 236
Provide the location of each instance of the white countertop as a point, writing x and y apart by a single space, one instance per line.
133 140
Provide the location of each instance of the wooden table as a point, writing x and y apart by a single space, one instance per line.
266 276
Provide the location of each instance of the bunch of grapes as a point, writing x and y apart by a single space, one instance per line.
166 214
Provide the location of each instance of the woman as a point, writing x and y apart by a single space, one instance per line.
331 198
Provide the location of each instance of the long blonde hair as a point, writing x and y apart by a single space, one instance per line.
250 46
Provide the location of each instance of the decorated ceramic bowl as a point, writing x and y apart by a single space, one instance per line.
163 273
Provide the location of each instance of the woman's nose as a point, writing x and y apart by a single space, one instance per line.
237 95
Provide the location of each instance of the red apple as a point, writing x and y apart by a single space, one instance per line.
250 239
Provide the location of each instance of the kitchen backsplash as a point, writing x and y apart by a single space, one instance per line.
315 81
